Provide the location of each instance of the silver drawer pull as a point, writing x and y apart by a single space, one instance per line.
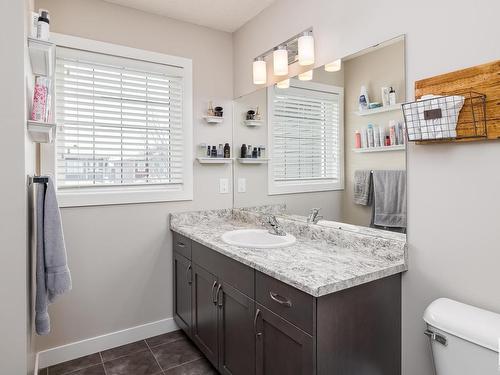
281 300
181 244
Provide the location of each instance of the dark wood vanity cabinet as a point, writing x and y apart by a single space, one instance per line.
281 347
248 323
183 276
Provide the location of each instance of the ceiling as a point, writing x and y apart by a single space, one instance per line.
225 15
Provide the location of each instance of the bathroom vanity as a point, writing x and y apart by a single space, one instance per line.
328 304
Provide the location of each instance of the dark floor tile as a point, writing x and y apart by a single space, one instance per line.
92 370
75 364
198 367
124 350
140 363
175 353
165 338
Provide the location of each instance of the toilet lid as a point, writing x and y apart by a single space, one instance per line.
470 323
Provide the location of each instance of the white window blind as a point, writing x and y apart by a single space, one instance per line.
306 139
119 121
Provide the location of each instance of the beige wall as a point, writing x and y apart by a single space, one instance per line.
257 175
375 69
120 256
453 217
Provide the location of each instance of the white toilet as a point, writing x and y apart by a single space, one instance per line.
464 339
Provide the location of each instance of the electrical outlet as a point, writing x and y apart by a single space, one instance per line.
223 185
242 185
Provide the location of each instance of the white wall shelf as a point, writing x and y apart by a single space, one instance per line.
41 56
207 160
213 119
380 149
252 160
41 132
374 111
253 123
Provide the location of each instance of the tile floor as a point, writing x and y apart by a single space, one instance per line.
168 354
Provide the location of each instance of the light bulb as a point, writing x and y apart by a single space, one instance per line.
259 71
306 49
306 76
283 84
334 66
280 61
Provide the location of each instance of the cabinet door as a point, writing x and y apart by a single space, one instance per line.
182 292
236 332
281 348
205 313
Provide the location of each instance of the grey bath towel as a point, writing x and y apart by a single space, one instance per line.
362 187
52 273
389 199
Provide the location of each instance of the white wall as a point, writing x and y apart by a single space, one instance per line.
120 256
453 213
16 151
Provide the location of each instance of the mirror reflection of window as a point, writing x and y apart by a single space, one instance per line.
305 138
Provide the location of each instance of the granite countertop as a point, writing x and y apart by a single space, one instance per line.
323 260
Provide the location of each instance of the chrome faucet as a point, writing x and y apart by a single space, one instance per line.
276 228
314 216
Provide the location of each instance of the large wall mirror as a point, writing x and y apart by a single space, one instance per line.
333 141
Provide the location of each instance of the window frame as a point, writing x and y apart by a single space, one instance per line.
308 186
97 196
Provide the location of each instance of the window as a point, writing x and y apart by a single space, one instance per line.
123 128
305 132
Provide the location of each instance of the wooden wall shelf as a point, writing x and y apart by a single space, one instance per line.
484 79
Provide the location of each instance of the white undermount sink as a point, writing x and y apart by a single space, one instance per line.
257 238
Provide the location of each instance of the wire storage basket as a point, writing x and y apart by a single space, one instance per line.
457 116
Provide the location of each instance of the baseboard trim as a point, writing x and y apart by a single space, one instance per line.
92 345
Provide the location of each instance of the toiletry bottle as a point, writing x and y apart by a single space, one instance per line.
384 91
210 111
364 138
262 151
382 136
357 139
387 141
214 152
243 151
254 153
208 151
43 25
220 151
392 97
376 136
370 135
227 151
249 151
363 99
392 135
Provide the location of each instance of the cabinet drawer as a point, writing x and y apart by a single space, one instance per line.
288 302
182 245
230 271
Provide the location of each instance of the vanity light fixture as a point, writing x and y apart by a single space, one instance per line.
306 76
280 61
299 48
283 84
334 66
306 48
259 71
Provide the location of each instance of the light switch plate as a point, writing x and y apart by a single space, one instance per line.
242 185
223 185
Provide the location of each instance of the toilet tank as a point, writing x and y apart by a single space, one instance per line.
464 338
